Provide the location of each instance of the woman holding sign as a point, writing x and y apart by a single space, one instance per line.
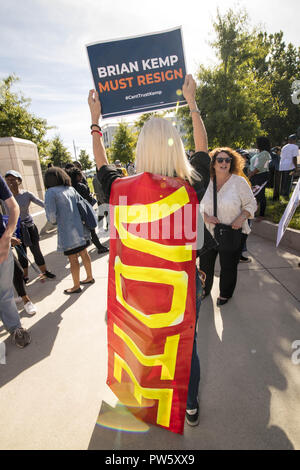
164 175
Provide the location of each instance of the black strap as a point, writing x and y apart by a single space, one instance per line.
215 197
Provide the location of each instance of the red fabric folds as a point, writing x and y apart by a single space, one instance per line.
151 296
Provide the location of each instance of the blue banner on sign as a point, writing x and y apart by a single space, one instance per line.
139 74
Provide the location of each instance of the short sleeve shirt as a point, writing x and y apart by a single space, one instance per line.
5 193
260 162
288 152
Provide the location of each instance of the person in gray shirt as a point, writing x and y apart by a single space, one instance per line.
29 234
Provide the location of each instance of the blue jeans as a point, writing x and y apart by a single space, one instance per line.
192 399
8 310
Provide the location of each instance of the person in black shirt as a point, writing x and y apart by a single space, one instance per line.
151 157
84 191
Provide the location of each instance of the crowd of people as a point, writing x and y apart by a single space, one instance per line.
229 184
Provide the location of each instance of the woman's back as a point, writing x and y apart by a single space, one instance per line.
61 209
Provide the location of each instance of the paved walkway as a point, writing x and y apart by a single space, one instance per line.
53 391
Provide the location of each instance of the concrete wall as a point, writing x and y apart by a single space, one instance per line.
22 155
266 229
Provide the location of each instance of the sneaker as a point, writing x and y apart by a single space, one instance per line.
18 300
20 337
243 259
49 274
30 308
192 417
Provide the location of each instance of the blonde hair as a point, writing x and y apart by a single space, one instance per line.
160 151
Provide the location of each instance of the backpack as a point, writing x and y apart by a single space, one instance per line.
86 212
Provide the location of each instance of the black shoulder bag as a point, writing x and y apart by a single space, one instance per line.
228 238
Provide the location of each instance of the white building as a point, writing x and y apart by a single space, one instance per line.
109 129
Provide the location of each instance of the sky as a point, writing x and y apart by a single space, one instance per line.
43 43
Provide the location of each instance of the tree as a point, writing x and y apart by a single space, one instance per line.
248 93
58 154
123 144
17 121
230 93
139 123
85 161
283 67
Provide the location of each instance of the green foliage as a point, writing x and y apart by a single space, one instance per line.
283 68
248 93
275 210
139 123
123 144
85 161
17 121
58 154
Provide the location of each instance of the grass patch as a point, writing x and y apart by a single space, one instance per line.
90 184
275 210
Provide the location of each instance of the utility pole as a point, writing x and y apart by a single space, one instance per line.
74 150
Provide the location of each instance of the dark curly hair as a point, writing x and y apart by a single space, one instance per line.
237 161
74 173
263 143
56 176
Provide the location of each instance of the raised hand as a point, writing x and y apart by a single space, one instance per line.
95 106
189 88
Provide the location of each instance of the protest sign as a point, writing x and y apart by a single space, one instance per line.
139 74
288 213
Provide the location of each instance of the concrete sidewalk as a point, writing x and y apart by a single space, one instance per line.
53 391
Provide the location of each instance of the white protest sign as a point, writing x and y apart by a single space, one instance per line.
288 213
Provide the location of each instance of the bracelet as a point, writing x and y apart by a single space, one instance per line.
194 111
98 132
96 125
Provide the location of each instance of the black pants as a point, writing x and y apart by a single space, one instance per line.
258 180
95 239
228 276
34 248
286 183
277 181
19 283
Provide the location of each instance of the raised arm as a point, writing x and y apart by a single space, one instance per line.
98 146
200 136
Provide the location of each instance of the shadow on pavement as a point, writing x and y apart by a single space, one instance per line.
43 334
117 428
238 373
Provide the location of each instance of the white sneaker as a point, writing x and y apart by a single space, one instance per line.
18 300
30 308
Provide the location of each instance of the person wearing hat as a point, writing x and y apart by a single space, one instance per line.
29 232
288 165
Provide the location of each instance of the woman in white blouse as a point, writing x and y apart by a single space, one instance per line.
235 205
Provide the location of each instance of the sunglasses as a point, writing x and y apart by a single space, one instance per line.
226 160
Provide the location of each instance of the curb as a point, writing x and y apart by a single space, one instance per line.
267 229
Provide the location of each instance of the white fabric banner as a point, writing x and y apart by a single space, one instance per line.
288 213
